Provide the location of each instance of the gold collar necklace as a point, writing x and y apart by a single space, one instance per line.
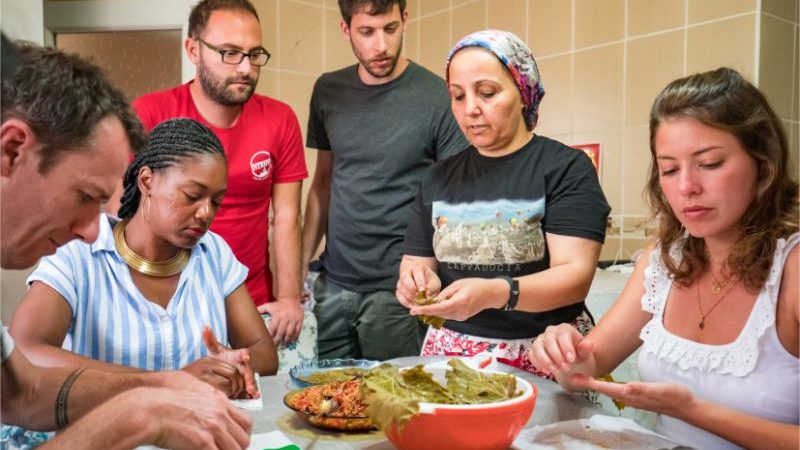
159 269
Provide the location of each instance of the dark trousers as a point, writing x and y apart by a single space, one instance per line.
370 325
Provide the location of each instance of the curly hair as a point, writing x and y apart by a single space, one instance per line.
201 12
62 98
375 7
170 142
724 100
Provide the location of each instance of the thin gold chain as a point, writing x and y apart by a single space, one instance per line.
703 316
716 286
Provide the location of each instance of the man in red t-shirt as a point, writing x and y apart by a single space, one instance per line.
262 142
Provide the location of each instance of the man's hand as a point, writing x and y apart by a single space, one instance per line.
189 420
286 320
196 416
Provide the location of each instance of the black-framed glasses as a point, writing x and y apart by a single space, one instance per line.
235 57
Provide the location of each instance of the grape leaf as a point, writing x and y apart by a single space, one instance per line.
384 407
472 387
434 321
393 395
618 403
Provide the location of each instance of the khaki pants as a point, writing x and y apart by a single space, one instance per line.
369 325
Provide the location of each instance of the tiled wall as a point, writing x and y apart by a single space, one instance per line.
779 75
602 64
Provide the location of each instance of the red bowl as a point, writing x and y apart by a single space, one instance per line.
465 427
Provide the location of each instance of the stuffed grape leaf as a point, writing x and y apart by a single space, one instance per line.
434 321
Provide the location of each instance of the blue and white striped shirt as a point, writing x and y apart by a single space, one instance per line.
113 322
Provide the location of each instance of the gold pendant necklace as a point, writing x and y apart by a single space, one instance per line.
716 286
143 265
703 315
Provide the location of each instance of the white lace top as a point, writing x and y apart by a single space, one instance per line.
753 374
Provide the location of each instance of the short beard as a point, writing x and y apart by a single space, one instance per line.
390 70
217 91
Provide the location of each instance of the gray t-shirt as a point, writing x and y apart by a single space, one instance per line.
383 137
6 343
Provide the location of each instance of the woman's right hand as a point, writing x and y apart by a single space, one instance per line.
561 349
218 374
416 276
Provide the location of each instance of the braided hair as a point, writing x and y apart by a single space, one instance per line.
169 143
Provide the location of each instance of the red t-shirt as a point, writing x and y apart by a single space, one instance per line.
264 147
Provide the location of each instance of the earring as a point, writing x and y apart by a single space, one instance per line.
146 209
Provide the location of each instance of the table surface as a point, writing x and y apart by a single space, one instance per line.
553 404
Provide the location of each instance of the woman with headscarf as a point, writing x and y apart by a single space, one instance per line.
525 215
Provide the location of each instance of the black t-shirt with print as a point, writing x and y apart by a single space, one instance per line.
486 217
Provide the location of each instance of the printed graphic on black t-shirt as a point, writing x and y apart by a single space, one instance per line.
488 233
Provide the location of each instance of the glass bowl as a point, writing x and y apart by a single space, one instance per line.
300 373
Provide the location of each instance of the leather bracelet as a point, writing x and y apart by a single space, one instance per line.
513 293
62 418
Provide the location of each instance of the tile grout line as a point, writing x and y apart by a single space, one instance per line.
757 49
527 22
624 121
684 28
572 73
774 16
450 27
685 36
795 94
278 44
324 39
418 38
294 72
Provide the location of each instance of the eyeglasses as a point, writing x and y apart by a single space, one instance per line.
235 57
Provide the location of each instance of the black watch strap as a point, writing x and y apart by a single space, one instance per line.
513 293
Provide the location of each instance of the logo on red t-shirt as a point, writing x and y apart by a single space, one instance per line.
261 165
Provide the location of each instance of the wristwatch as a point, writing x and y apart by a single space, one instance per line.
513 293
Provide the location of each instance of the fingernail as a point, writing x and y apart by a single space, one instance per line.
570 356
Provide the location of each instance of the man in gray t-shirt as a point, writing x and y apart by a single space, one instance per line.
377 125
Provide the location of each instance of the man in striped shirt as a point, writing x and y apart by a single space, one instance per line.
65 133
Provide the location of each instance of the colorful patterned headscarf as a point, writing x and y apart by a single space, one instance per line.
517 58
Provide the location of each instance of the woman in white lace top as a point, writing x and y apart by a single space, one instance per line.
715 305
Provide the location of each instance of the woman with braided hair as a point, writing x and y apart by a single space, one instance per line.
156 287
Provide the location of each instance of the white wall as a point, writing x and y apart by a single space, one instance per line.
23 19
